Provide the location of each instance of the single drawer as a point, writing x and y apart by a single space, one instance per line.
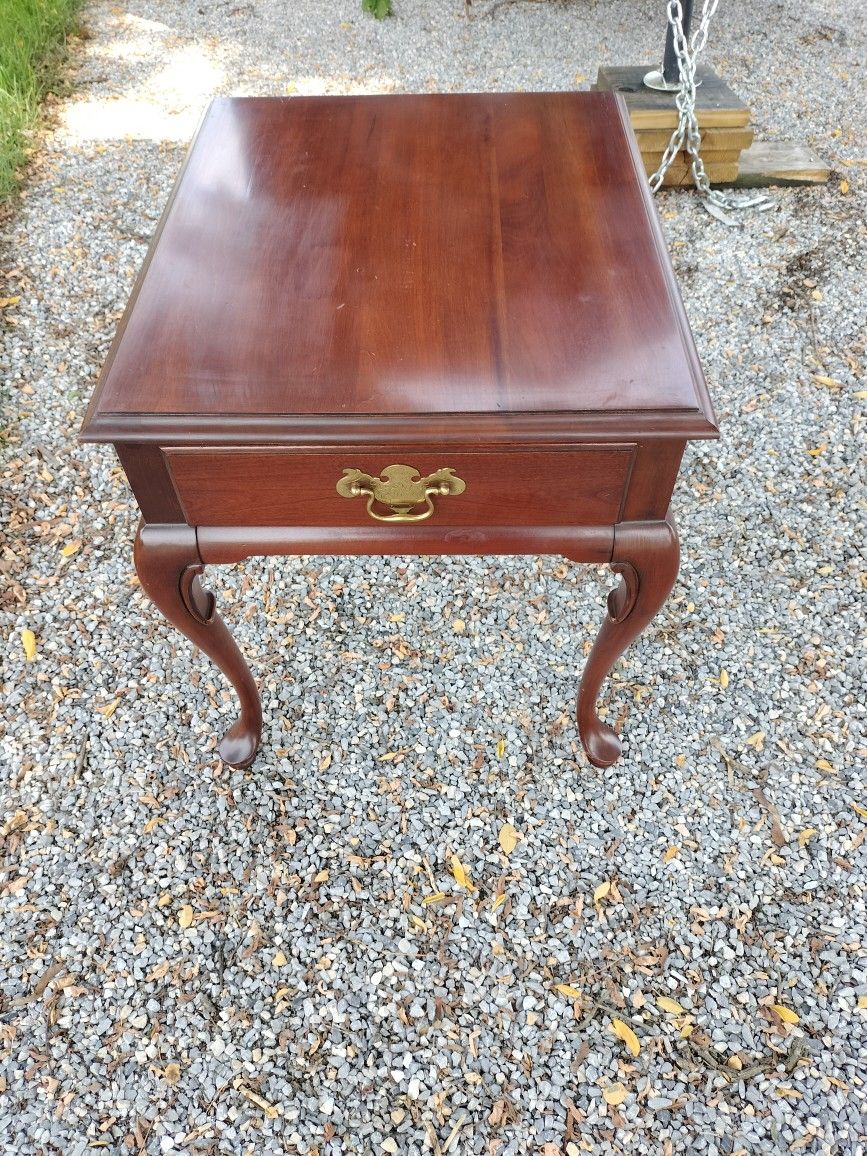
282 487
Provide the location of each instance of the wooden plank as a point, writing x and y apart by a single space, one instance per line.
780 163
709 158
681 174
716 104
713 140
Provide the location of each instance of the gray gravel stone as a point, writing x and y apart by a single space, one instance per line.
317 1002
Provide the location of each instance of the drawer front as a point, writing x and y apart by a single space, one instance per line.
276 487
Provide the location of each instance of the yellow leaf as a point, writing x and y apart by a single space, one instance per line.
165 899
567 989
687 1030
814 453
785 1013
861 394
614 1095
459 626
601 891
389 756
862 1002
723 678
70 548
172 1073
669 1005
499 900
153 822
396 617
4 301
844 187
28 641
829 381
670 853
508 838
460 874
416 922
109 709
325 761
501 748
624 1032
435 898
735 1062
837 1083
757 740
279 960
185 916
791 1092
806 835
824 765
321 876
859 810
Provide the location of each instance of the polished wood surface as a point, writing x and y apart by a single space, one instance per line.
473 283
349 258
285 487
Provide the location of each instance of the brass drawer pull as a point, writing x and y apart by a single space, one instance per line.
401 489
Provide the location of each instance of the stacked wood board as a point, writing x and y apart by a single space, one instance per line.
723 120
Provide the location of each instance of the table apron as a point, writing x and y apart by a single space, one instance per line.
225 544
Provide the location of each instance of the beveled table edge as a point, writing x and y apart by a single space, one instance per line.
527 427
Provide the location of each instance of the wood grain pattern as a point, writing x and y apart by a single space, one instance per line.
284 487
446 255
716 105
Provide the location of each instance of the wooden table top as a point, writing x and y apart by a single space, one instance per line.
357 265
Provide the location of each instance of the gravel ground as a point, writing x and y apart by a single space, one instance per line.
289 959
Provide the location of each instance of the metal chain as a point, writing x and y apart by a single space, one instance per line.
687 135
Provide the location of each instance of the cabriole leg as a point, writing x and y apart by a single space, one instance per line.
168 565
646 555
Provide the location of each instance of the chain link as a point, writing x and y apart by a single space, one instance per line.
686 135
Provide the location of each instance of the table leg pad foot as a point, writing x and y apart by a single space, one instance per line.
646 555
169 567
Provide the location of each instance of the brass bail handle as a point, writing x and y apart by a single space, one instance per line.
401 489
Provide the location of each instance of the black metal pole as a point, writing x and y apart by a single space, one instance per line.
670 69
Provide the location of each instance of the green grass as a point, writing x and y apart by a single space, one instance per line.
32 37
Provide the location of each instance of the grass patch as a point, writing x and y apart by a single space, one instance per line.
32 38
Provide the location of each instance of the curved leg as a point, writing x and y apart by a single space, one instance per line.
168 565
646 555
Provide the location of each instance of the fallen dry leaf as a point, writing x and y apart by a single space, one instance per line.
568 989
28 641
172 1073
625 1033
786 1014
460 874
615 1095
508 838
669 1005
185 916
601 891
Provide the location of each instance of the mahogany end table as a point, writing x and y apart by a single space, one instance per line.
405 325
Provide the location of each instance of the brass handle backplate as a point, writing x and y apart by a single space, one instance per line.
401 490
